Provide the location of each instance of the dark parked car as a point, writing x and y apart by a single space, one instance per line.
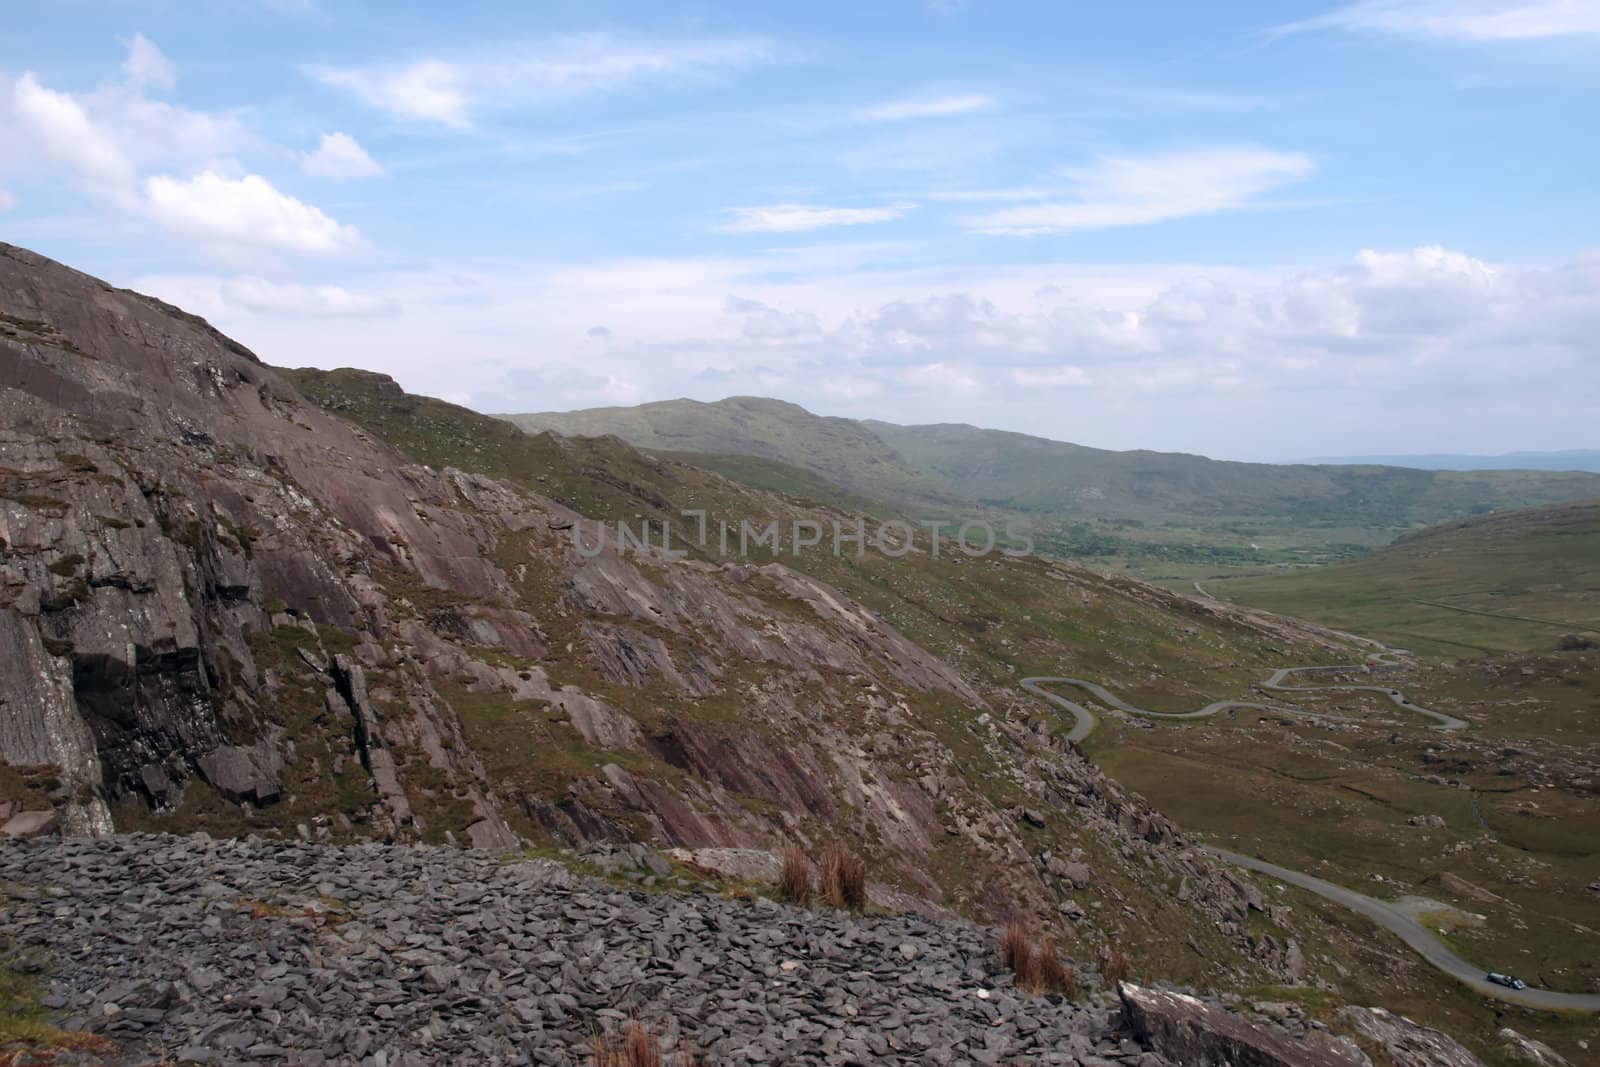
1509 981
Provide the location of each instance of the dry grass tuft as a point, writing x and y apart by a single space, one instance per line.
794 884
1035 967
1115 967
1057 977
1018 954
844 879
637 1046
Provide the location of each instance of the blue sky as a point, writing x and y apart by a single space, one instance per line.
1246 229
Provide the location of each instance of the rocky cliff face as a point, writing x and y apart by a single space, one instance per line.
225 607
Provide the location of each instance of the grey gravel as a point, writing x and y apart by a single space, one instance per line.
251 951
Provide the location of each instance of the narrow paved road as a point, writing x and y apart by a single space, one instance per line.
1417 936
1403 926
1084 720
1398 699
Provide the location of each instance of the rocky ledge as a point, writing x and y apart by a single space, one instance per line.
253 951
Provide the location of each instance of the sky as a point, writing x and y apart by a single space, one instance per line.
1249 230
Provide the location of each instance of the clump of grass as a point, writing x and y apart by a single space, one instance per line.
1057 977
26 1035
636 1046
844 879
1018 954
794 884
1035 968
1116 967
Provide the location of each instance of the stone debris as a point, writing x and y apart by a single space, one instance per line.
252 951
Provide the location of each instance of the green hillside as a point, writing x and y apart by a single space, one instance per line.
1162 515
839 451
1514 581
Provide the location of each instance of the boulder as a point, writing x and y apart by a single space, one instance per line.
738 864
1187 1030
244 775
1528 1050
31 824
1408 1044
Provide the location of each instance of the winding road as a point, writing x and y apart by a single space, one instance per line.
1417 936
1401 925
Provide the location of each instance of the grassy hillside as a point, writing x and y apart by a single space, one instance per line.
1283 789
779 477
1512 581
1000 618
1225 501
1161 515
842 452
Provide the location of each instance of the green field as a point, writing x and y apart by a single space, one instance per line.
1513 581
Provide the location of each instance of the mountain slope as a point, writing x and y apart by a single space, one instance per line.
307 604
227 607
1512 581
1038 475
1571 460
840 451
1153 510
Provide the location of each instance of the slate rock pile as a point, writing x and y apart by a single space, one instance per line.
252 951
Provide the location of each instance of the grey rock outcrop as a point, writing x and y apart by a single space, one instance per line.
1408 1044
1529 1050
1188 1030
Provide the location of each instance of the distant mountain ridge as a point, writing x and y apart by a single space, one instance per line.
1087 501
1578 459
845 452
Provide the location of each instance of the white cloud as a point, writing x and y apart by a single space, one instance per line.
246 210
761 322
7 200
1127 190
341 157
106 136
323 301
247 298
1437 346
1462 20
61 126
795 218
926 107
450 92
428 89
146 65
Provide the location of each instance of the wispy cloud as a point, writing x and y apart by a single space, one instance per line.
926 106
453 91
1461 20
795 218
1134 190
340 157
147 65
320 301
